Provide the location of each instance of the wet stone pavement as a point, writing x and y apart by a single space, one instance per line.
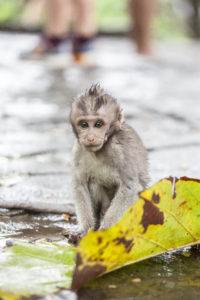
161 100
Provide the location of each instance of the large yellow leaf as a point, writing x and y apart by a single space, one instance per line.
164 218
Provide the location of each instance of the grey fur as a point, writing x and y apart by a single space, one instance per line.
107 182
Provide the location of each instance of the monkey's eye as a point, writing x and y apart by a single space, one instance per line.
98 124
84 124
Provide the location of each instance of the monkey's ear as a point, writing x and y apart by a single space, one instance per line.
120 114
119 119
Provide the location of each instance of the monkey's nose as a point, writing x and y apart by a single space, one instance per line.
90 139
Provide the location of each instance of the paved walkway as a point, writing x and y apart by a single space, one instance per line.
161 100
160 97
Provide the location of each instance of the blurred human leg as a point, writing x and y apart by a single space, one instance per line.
59 14
56 30
84 26
142 13
85 18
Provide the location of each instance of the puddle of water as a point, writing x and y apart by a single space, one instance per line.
169 276
35 226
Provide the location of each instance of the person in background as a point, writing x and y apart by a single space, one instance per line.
67 22
141 12
74 22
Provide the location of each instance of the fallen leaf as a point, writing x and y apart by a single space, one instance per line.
136 280
41 269
66 217
165 217
186 254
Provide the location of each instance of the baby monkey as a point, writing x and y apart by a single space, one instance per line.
109 161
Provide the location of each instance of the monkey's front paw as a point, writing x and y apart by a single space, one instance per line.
105 225
74 236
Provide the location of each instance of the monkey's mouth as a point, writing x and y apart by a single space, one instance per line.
92 147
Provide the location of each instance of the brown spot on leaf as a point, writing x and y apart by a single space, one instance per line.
128 244
99 240
172 179
155 198
87 273
174 194
182 203
151 215
190 179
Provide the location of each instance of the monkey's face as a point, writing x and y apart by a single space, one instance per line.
94 117
91 132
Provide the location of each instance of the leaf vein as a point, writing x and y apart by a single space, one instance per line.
152 241
179 222
191 193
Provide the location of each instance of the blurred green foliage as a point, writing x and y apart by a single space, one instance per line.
10 11
112 15
168 25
